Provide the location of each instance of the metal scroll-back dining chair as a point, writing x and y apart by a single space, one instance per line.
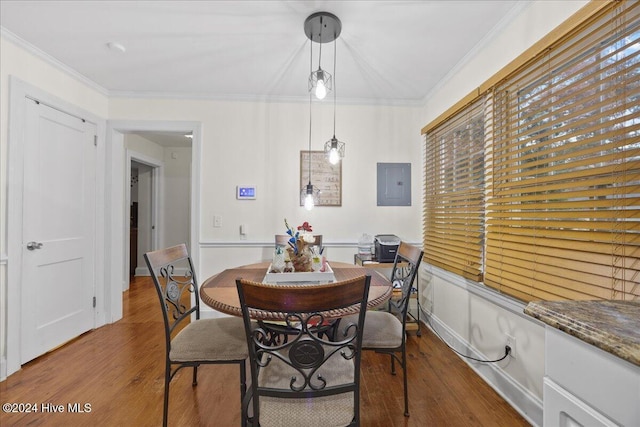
305 379
385 331
197 341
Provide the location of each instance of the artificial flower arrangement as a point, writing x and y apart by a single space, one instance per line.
300 251
297 240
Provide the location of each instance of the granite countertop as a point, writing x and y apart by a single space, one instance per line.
613 326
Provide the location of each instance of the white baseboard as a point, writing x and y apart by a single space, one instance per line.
523 401
142 271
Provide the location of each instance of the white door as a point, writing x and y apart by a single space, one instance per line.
58 229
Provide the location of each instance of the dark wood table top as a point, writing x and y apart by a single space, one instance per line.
220 293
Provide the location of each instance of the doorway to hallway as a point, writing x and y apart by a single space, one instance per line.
176 191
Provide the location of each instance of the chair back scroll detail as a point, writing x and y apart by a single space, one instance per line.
405 276
305 364
171 287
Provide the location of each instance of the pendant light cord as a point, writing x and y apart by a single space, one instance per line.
309 138
320 54
311 70
335 87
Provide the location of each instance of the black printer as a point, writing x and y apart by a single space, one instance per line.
386 247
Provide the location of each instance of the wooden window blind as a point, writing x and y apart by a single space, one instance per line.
563 201
454 193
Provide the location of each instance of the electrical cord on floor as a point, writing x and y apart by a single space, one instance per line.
507 349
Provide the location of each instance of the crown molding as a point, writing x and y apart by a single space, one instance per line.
258 98
21 43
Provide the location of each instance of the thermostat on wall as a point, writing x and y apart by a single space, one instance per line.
245 192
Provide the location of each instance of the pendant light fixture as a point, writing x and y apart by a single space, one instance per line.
334 149
321 27
319 80
309 194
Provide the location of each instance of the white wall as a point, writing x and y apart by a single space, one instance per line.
259 143
177 189
471 317
142 145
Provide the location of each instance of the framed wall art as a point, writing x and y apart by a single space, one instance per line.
325 176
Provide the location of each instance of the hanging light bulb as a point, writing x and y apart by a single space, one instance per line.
321 89
320 83
309 203
334 149
309 194
334 157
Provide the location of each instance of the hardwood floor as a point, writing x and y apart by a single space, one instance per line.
118 371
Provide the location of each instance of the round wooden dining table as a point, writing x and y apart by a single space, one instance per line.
220 293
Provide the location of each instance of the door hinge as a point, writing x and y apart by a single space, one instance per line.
95 140
94 302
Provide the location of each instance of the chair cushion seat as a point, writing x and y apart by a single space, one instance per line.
325 411
381 329
210 339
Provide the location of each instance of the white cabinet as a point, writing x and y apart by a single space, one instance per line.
586 386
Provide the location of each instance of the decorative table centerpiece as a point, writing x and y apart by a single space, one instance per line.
301 257
300 251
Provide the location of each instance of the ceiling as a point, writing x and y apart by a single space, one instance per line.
389 51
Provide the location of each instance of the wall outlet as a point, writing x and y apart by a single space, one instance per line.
511 342
217 221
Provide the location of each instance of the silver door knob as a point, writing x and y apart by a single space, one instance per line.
34 245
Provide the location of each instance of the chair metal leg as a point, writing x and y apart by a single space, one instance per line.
195 376
243 392
404 374
167 380
393 364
